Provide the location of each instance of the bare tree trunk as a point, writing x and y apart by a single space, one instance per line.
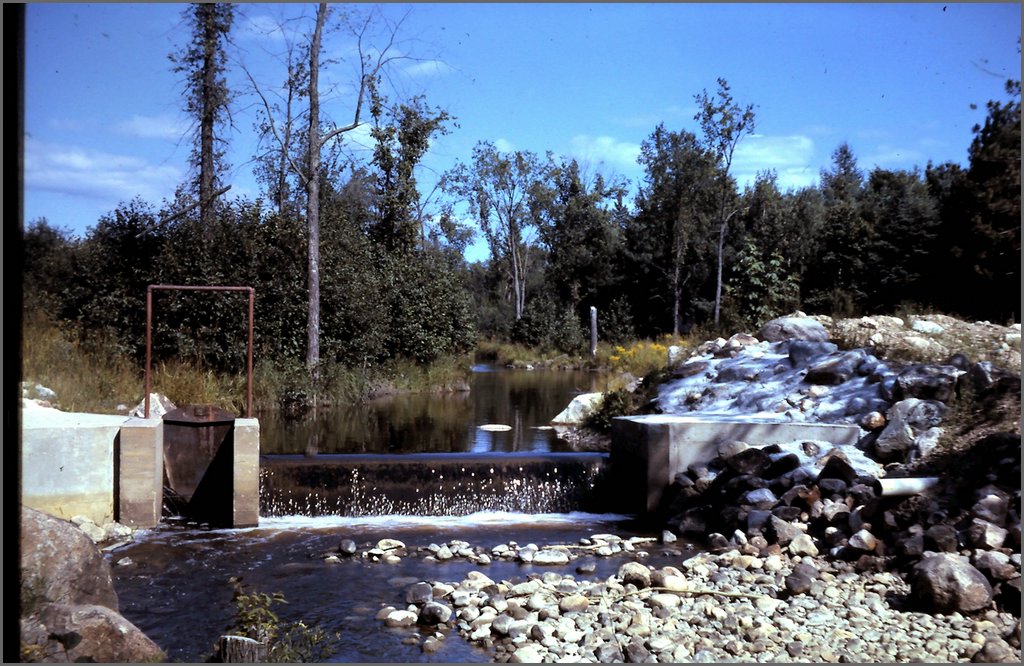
211 38
313 201
718 283
677 292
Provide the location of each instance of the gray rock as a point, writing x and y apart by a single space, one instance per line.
528 654
994 564
761 498
984 534
60 564
347 547
551 557
635 573
401 618
784 531
500 625
87 632
928 382
420 593
948 583
907 420
864 540
801 352
794 327
636 653
992 505
434 612
803 545
836 369
996 651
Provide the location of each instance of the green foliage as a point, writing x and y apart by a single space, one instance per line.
286 642
622 402
762 287
619 402
546 325
668 248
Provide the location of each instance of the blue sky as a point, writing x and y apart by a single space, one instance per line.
104 119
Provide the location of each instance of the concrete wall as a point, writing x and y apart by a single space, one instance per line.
245 508
109 468
648 451
67 463
141 472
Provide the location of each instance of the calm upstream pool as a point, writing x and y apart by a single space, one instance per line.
525 401
172 582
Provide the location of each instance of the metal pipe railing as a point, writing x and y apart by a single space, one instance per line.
149 332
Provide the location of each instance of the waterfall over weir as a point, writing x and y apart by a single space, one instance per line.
433 484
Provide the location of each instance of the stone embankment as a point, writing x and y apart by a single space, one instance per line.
732 606
809 556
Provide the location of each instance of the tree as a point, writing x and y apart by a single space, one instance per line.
275 162
994 176
318 137
496 188
400 142
903 215
838 271
666 240
207 98
576 228
723 123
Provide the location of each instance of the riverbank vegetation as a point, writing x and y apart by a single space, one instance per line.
361 280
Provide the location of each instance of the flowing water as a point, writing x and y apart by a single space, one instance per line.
173 581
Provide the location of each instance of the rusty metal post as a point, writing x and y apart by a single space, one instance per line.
149 340
252 310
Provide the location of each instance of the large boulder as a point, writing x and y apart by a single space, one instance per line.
929 381
68 604
906 421
793 328
73 632
947 583
836 369
579 409
60 564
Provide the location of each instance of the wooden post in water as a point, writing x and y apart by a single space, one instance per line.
241 650
593 332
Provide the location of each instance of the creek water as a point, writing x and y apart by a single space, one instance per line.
173 581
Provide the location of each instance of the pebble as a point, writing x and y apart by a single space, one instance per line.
833 615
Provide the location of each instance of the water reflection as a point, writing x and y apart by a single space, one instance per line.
439 422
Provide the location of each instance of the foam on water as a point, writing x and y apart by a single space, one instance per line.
761 382
470 521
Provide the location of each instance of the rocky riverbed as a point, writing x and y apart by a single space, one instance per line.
731 606
809 557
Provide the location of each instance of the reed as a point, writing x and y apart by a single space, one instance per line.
92 376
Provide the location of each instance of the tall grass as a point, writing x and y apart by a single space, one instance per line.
93 377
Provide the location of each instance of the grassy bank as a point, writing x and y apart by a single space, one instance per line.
91 376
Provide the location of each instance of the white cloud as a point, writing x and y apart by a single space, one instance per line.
428 68
504 145
82 172
605 150
154 127
789 156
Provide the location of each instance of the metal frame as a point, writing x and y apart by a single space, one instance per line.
149 332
